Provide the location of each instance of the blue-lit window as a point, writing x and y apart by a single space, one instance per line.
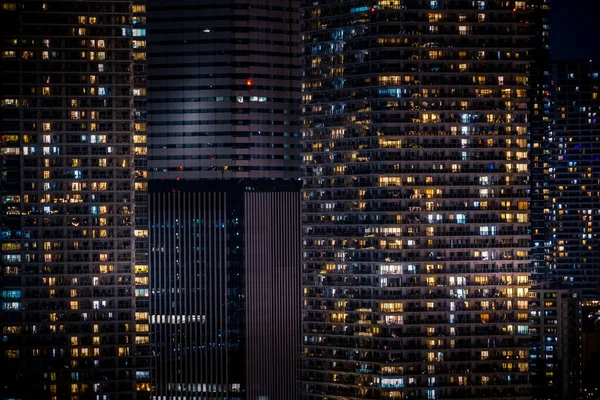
142 374
11 294
522 330
11 258
390 383
11 306
137 32
359 9
391 92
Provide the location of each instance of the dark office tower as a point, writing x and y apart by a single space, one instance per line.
224 206
556 330
416 199
68 305
574 169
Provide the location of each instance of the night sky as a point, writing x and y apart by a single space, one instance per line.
575 30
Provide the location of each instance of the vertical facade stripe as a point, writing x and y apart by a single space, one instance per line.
272 265
188 253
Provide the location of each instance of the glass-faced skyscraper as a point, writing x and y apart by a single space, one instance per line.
224 205
67 193
416 225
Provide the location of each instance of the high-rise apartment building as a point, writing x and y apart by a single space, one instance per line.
224 204
140 175
416 222
540 119
69 312
574 187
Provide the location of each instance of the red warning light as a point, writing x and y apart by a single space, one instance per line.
249 82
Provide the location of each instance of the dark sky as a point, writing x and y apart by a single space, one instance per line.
575 29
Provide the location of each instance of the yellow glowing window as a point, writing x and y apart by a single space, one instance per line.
142 339
392 307
140 269
106 269
141 280
140 151
435 17
435 54
390 181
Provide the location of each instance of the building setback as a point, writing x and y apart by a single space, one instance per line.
416 222
67 237
224 203
556 328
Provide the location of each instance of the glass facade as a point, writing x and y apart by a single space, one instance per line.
224 90
416 221
70 323
223 165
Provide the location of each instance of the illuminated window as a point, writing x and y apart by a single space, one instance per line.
392 307
141 269
435 17
12 353
464 30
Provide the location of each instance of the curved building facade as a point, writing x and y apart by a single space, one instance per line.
415 213
224 84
